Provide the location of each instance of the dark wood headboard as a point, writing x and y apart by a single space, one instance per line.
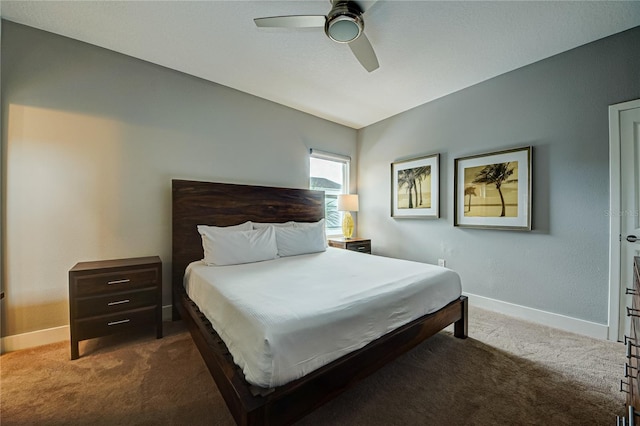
223 204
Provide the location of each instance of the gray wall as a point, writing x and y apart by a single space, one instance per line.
558 106
92 140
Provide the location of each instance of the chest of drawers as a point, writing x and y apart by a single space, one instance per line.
112 296
632 367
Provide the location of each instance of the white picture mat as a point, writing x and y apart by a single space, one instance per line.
432 211
522 220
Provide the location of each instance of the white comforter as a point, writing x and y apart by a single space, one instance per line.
283 318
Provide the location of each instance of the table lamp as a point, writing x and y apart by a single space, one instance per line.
347 203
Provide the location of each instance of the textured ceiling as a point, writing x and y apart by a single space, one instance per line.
426 49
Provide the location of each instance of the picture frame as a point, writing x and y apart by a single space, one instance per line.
415 188
493 190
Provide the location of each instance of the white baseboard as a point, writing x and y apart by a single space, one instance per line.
49 335
562 322
34 338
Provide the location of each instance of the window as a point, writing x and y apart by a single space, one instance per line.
330 173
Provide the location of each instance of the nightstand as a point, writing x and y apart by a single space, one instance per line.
361 245
112 296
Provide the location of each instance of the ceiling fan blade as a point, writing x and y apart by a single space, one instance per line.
363 51
292 21
367 5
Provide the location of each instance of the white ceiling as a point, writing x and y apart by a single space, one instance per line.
426 49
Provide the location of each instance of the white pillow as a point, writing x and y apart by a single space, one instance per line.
260 225
318 224
246 226
292 241
224 247
242 227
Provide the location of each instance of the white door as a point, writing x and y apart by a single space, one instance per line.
629 214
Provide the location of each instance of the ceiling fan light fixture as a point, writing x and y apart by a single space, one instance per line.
344 29
344 22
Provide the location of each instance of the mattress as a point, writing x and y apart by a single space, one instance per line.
284 318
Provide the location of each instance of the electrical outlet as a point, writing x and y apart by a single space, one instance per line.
442 262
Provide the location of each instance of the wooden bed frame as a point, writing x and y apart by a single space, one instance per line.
223 204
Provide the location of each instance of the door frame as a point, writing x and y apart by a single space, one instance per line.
615 219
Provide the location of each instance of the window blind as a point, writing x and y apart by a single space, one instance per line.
329 156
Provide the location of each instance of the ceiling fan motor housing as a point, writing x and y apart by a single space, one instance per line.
344 22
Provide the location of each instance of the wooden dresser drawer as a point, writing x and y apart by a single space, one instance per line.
115 302
115 281
364 247
114 323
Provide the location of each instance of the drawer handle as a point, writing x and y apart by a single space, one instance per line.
361 248
118 282
623 383
119 302
118 322
629 354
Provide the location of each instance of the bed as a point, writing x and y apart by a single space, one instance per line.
218 204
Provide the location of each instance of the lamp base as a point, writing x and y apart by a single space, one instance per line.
347 225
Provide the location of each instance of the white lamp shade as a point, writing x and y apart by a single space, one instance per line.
348 203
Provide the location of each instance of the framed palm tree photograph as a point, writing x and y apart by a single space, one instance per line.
415 187
494 190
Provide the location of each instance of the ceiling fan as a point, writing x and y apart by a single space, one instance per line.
343 24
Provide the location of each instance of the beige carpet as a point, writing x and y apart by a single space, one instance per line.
508 372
